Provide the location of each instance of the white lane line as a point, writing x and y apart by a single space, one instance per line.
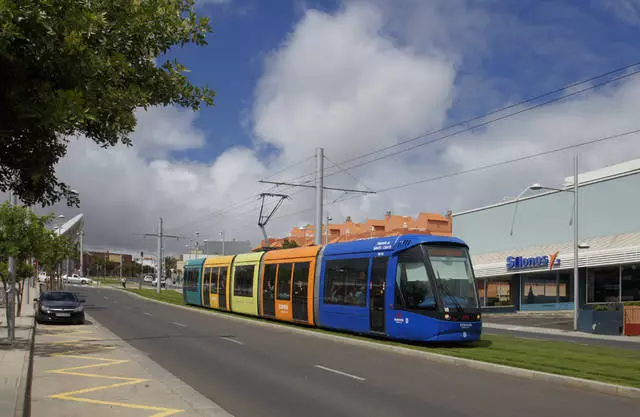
229 339
335 371
178 324
147 314
115 302
106 298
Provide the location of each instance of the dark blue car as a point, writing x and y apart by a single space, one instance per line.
59 307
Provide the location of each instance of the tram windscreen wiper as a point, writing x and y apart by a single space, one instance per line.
443 288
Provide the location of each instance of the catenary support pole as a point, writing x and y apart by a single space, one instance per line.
319 194
159 268
576 270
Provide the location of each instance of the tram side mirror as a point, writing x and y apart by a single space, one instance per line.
35 300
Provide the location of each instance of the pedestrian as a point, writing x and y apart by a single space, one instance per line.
124 282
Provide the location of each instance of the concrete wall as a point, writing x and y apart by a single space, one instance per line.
607 208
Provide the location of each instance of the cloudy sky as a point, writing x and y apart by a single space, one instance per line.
354 77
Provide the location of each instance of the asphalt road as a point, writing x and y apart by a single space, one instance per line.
253 370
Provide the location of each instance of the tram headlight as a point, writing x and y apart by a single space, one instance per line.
447 316
478 316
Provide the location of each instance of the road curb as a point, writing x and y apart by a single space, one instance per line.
22 407
602 387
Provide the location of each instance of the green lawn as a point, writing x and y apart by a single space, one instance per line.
620 366
168 296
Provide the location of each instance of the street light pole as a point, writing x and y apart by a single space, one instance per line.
576 243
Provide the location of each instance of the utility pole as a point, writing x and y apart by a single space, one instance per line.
81 254
160 235
326 230
319 187
222 237
141 270
319 193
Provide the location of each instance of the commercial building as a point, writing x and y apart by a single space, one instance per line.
522 250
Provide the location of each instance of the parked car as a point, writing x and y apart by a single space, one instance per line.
163 282
59 307
148 278
76 279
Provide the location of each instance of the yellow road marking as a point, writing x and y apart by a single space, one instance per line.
103 362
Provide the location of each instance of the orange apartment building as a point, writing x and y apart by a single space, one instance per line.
391 225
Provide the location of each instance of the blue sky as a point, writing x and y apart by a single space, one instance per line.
528 48
354 76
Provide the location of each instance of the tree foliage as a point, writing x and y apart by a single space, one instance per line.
81 68
287 244
24 235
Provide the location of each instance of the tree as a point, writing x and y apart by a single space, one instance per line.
286 244
170 263
24 235
77 68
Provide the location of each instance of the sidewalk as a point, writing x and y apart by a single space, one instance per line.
14 359
549 331
86 370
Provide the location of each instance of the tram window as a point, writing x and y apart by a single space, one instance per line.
413 287
243 281
214 280
268 287
284 281
301 279
346 282
222 277
205 280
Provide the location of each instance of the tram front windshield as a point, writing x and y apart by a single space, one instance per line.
452 278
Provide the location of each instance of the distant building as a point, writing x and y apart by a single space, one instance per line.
232 247
391 225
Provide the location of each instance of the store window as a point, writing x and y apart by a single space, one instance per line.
631 282
499 292
480 286
540 288
603 285
565 286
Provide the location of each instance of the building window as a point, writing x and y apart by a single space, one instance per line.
284 281
540 288
630 282
603 285
345 282
243 281
499 292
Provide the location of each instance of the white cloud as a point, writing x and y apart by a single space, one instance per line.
351 83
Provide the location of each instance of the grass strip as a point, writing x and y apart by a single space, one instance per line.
604 364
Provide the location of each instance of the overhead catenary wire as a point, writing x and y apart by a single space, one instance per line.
488 122
462 123
505 162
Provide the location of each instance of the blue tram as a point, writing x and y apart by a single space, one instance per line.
407 287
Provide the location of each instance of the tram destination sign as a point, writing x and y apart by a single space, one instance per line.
516 263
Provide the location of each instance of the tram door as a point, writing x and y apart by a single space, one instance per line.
268 291
376 294
215 271
222 289
300 291
206 284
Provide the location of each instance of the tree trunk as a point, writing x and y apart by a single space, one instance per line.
19 297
